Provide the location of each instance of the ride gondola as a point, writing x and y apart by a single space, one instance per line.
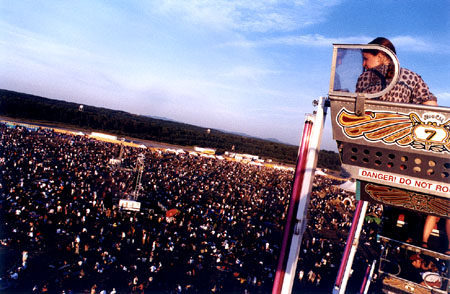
399 155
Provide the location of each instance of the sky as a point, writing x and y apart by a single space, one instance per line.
250 67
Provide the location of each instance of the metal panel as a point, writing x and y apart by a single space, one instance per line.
390 117
404 199
395 144
421 166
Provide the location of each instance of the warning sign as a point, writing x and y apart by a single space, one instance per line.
404 181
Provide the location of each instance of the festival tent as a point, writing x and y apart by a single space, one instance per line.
348 186
319 172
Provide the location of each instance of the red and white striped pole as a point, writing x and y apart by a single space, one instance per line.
293 207
350 248
367 278
299 201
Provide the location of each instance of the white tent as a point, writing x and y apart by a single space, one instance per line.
349 186
319 172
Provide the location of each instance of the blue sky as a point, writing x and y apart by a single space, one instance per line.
242 66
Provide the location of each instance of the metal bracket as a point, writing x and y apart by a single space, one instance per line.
359 105
298 230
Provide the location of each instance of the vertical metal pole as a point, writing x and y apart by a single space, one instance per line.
366 277
296 219
366 289
350 248
293 206
305 193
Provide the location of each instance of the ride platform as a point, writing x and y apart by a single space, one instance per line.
399 155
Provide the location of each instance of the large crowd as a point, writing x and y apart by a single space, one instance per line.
62 230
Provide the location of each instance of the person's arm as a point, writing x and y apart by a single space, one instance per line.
430 102
421 91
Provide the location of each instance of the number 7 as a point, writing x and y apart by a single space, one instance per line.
431 134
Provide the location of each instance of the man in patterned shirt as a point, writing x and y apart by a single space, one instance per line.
379 71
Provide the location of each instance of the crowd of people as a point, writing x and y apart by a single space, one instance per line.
62 230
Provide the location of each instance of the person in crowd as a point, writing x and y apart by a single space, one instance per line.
411 272
58 203
423 272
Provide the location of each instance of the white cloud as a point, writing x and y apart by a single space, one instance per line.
248 73
412 44
445 95
405 43
247 16
311 40
443 98
24 40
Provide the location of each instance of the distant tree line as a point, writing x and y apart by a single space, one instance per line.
121 123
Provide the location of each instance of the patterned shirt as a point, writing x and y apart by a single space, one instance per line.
410 87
